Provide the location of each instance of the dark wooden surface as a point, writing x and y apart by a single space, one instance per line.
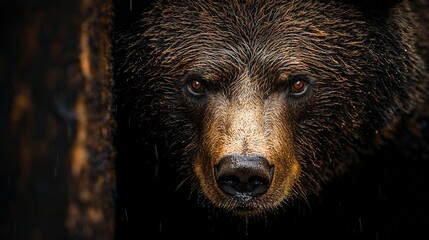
56 157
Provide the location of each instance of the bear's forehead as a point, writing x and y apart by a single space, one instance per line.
230 36
253 18
241 29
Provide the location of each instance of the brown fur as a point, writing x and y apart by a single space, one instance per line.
365 69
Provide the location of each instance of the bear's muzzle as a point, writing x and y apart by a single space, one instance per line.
244 177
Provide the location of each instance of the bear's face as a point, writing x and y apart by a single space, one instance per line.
265 100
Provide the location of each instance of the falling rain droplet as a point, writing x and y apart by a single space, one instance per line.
156 152
360 224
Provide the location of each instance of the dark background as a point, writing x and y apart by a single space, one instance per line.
384 197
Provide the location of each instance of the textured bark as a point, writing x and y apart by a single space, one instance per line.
56 123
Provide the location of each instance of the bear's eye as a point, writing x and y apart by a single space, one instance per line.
196 88
298 88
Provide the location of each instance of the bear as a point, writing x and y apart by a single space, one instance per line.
250 106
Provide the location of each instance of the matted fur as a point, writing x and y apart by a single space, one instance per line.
364 68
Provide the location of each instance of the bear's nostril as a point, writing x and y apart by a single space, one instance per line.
243 175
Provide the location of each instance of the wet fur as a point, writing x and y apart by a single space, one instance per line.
366 67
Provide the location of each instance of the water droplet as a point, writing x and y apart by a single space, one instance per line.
360 224
156 152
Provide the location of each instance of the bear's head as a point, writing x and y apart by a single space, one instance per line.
265 100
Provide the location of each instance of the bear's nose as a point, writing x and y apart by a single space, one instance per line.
243 176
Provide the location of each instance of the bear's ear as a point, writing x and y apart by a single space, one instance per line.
373 4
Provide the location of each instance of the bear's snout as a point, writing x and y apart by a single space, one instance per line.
245 177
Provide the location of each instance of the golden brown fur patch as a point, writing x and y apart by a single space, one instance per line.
360 65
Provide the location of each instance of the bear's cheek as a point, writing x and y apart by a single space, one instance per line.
247 162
